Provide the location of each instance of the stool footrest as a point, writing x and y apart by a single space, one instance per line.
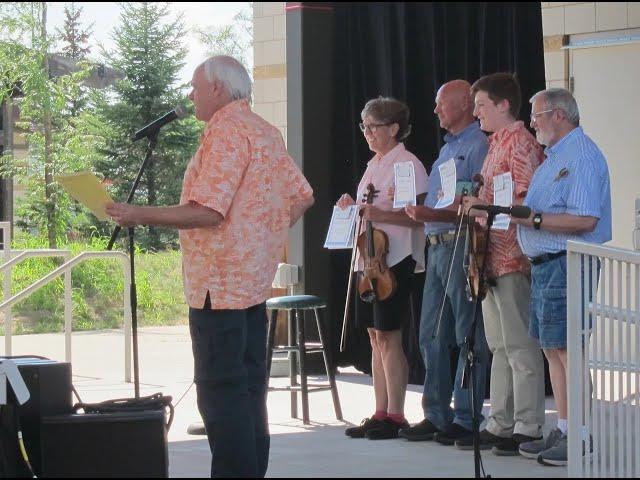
308 349
298 388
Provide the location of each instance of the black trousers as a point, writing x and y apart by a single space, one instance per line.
229 351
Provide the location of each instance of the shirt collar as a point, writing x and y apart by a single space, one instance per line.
505 131
391 154
469 129
563 142
228 110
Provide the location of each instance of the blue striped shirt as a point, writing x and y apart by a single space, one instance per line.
574 179
468 148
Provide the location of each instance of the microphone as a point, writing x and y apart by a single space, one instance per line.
179 112
517 211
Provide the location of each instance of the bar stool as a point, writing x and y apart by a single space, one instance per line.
298 349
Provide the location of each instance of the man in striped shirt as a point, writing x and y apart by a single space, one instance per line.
517 371
570 199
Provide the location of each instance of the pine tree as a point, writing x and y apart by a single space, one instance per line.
150 53
75 45
75 39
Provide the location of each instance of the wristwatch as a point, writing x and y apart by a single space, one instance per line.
537 221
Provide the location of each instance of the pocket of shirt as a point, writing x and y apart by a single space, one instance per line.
558 193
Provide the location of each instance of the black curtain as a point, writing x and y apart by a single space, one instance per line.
408 50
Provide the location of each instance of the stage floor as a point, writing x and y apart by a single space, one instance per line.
317 450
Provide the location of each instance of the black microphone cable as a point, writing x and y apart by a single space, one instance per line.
157 401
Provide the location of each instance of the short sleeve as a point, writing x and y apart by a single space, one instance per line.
477 155
223 163
421 177
584 193
524 158
298 185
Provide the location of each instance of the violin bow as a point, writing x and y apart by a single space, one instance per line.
343 337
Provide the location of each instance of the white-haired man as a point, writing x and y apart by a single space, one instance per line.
241 192
570 198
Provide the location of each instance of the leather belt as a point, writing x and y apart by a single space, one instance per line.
438 238
547 257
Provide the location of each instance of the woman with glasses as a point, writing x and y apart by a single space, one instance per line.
385 124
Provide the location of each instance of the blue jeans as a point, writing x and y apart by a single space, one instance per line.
229 351
436 352
548 322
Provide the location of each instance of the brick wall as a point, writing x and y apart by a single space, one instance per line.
569 18
270 68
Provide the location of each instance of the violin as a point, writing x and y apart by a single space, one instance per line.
376 282
475 246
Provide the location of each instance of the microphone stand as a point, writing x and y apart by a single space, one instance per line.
469 372
153 139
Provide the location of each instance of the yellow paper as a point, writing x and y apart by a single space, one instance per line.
87 189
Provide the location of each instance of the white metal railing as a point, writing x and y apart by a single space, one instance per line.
603 385
6 267
13 258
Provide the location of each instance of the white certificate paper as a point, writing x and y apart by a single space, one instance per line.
502 196
404 177
448 182
342 228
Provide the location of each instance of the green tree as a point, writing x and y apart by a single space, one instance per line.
56 142
234 39
150 52
75 38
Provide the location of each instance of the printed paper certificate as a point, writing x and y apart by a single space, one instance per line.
448 182
342 227
503 197
405 185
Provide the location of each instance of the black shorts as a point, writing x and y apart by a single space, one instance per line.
395 311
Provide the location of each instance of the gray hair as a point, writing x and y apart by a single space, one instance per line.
561 99
232 75
388 110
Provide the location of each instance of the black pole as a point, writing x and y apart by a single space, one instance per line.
134 315
153 139
469 373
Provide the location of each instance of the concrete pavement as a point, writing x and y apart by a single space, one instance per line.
317 450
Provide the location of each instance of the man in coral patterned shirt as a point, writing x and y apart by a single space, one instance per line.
517 371
241 193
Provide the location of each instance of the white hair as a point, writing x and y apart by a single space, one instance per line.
561 99
232 75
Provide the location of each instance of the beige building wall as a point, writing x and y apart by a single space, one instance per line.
270 63
593 49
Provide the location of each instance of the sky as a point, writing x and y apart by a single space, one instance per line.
105 16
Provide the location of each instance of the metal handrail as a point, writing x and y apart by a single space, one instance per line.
7 266
31 253
64 269
603 360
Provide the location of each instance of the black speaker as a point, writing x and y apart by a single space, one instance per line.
49 385
126 444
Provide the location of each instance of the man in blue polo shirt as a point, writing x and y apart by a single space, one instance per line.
570 199
467 146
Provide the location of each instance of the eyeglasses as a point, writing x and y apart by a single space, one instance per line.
372 127
535 115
